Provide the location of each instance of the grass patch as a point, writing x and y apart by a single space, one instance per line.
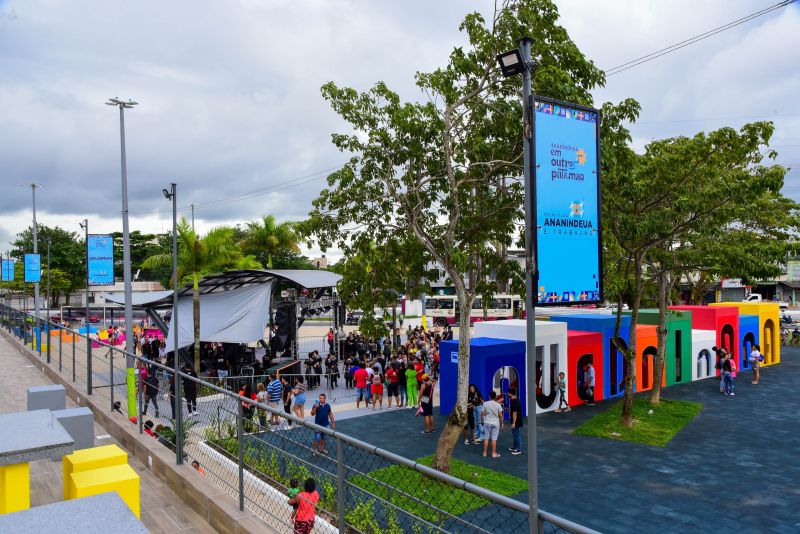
433 493
657 428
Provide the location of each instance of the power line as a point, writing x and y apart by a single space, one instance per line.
280 186
697 38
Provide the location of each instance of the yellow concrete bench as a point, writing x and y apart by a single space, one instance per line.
120 478
88 459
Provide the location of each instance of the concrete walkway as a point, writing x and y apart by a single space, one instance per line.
162 510
733 469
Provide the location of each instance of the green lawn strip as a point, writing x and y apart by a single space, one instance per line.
658 428
433 493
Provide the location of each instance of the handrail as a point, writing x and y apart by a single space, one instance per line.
445 478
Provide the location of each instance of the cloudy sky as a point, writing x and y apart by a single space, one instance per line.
229 97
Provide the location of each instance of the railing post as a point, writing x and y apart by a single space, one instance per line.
111 375
240 435
139 388
73 355
341 496
88 360
48 343
60 348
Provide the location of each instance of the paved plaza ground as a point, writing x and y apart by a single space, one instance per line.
733 469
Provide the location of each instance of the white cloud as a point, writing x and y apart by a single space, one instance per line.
230 100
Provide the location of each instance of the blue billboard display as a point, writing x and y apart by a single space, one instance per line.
33 268
8 270
567 202
101 260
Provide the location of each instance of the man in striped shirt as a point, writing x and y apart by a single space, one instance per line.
274 392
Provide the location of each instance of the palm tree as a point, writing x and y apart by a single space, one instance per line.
215 252
265 237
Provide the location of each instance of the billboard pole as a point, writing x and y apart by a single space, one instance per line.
85 226
531 283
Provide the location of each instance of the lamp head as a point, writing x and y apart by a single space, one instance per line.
511 63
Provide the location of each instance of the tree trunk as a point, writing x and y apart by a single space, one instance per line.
269 260
626 416
458 418
196 316
658 368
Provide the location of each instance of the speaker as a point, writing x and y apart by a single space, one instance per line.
286 332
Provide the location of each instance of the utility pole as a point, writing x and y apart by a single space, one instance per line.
35 251
126 258
171 194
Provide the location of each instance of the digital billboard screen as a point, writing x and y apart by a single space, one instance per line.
8 270
33 268
568 234
101 260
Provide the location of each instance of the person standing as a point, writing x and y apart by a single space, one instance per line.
393 379
377 388
150 390
562 392
360 377
474 408
402 384
515 408
426 403
299 392
306 502
190 391
274 392
286 397
755 362
588 378
728 368
411 387
323 416
493 422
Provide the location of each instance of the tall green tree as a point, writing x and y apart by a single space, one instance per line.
447 170
690 190
215 252
265 237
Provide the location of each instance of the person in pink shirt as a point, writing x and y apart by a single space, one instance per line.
306 502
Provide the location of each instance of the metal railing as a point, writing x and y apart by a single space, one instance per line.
254 451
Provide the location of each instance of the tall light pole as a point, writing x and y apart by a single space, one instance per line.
178 400
85 227
126 257
515 62
193 205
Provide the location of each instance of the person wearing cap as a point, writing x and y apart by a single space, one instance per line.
426 403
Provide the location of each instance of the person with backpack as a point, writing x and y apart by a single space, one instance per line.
728 370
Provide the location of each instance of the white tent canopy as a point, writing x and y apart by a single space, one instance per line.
234 305
236 316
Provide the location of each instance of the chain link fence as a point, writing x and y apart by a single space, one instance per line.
261 455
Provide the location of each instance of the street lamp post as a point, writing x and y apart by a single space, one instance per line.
85 227
126 257
518 61
178 403
47 292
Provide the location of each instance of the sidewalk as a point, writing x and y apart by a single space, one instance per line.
162 510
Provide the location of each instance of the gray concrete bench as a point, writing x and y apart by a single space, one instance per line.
47 398
79 423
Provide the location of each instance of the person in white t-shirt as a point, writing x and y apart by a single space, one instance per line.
492 416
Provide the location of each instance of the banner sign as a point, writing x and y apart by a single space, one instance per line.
101 260
8 271
565 167
33 268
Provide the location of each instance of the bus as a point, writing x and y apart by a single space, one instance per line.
443 309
